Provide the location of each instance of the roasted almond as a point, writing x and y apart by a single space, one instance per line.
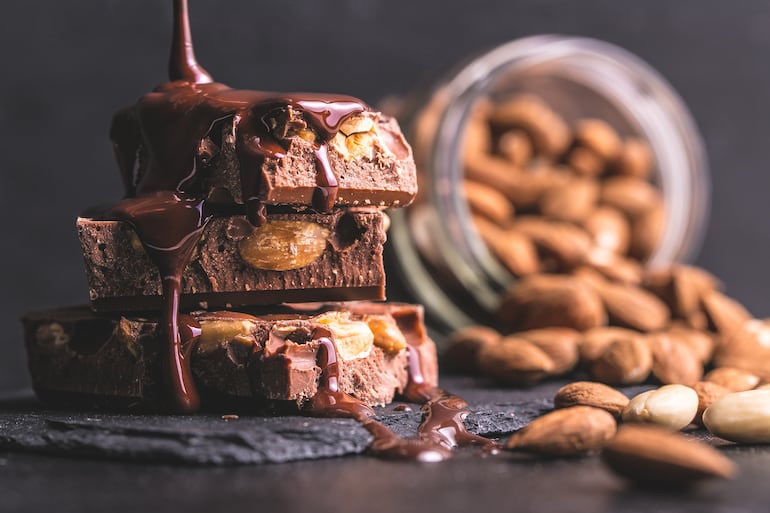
632 196
655 455
673 362
512 249
565 432
635 158
488 202
599 136
560 344
589 393
548 131
609 229
624 362
571 202
596 340
464 345
708 393
514 361
725 314
566 243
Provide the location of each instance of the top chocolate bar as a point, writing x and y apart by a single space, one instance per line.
236 147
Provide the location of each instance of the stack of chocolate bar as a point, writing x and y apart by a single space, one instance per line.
237 205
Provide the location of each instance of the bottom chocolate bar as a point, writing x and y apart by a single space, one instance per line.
80 357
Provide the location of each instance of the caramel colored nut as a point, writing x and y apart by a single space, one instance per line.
284 245
543 301
571 202
568 244
514 250
654 455
585 161
647 231
514 361
674 362
549 132
352 338
708 393
560 344
386 334
589 393
614 267
516 146
488 202
725 314
632 196
216 332
734 380
599 136
595 341
464 345
742 417
566 432
356 137
670 406
635 159
609 229
624 362
700 343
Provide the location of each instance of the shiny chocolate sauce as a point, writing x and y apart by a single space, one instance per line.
156 144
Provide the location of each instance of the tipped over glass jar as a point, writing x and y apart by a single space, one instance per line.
542 155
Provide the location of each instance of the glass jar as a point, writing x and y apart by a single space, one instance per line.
436 256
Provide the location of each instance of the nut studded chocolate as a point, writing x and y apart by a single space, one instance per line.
292 257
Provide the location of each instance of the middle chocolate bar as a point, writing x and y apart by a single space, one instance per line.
296 257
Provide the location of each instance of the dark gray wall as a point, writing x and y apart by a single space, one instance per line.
69 63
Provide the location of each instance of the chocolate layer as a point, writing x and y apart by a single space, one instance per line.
76 355
330 257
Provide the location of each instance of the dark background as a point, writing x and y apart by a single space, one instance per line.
68 64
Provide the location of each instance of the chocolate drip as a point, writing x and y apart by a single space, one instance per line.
156 144
182 64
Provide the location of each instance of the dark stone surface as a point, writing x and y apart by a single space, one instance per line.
355 483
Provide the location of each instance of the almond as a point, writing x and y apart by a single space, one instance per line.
624 362
516 146
647 231
708 393
670 406
599 136
514 361
464 345
632 196
566 432
656 456
512 249
571 202
673 362
635 158
595 341
542 301
488 202
566 243
560 344
725 314
734 380
609 229
699 342
589 393
740 417
548 131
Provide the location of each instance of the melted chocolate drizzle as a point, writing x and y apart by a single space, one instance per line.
165 200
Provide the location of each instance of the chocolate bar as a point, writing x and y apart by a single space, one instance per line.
78 356
290 258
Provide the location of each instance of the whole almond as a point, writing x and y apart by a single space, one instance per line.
464 345
635 159
566 432
624 362
560 344
542 301
689 285
516 146
670 406
488 202
614 268
740 417
567 243
647 230
571 202
609 228
511 248
708 393
673 362
654 455
549 132
629 305
725 314
585 161
589 393
596 340
514 361
599 136
699 342
632 196
734 380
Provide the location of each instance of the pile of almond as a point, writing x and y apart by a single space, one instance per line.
571 211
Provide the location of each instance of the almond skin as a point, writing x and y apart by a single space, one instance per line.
656 456
590 393
566 432
708 393
464 345
673 362
560 344
624 362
